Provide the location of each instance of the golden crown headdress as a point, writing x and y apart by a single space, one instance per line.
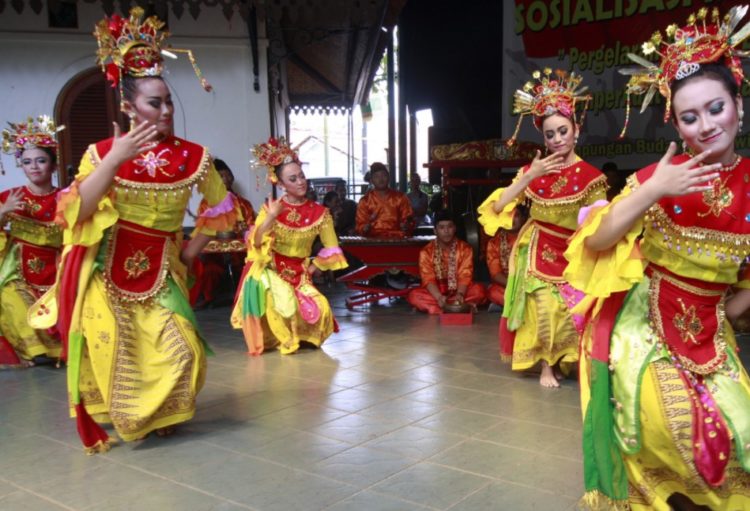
699 42
135 46
553 93
273 153
39 132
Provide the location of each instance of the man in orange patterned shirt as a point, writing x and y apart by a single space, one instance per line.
382 212
498 255
446 266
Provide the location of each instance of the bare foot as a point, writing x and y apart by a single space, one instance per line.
547 378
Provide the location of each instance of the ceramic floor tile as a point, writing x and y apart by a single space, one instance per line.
393 413
432 485
24 501
373 501
507 496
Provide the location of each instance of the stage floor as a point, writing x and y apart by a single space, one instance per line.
393 413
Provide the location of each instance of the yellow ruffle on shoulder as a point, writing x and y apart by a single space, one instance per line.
599 274
492 221
91 230
3 241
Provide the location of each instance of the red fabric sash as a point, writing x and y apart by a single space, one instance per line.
689 319
38 264
136 266
289 268
548 245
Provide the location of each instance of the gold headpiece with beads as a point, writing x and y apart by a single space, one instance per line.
273 153
699 42
134 46
554 93
39 132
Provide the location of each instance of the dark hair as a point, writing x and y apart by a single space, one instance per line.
220 164
129 86
443 215
52 153
378 167
278 168
715 71
329 196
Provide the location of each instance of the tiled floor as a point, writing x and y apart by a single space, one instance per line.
394 413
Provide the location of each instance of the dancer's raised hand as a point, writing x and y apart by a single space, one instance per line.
671 180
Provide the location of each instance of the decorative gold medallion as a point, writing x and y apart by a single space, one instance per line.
31 206
137 264
718 198
151 162
548 254
560 184
293 216
36 265
687 323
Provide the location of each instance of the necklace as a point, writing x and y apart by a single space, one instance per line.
294 203
731 166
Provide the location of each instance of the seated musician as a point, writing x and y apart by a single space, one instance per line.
498 255
383 212
446 266
211 269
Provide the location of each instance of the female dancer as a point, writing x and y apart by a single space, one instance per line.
277 303
28 260
537 326
665 397
135 357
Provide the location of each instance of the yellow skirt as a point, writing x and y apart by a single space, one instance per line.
547 332
142 365
15 300
664 464
286 334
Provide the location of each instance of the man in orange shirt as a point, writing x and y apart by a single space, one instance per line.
498 255
382 212
446 266
210 269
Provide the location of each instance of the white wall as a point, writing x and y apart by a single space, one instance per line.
37 62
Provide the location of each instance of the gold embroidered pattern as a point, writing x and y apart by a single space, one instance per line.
31 206
137 264
548 254
718 198
36 265
687 323
293 216
559 185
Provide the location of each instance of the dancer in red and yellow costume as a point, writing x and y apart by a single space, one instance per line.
277 304
498 251
135 357
666 399
383 212
30 250
537 326
446 267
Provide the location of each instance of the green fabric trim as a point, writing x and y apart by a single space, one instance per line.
75 354
734 402
9 266
515 291
603 467
632 349
172 298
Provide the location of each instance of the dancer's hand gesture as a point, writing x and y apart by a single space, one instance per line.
274 207
542 166
131 144
13 203
672 180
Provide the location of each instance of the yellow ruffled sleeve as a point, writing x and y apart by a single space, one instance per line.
3 241
492 221
223 211
599 274
330 257
90 231
259 255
